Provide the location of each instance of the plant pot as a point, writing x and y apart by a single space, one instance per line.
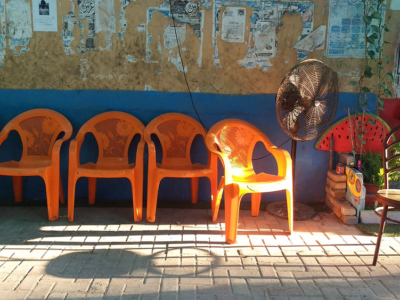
371 188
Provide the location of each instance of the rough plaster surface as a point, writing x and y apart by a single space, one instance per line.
124 67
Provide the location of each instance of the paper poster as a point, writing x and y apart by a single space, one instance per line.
87 10
314 41
44 14
170 36
19 20
395 5
233 24
346 30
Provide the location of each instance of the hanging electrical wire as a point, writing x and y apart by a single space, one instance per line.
265 156
183 67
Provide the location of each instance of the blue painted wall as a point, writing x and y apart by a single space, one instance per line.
80 106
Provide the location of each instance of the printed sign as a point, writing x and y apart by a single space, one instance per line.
355 191
44 15
233 24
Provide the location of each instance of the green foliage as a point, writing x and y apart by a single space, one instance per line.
371 165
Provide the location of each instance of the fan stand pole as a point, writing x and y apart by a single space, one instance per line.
293 155
301 211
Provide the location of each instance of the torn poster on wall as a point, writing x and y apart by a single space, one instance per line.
346 30
3 42
314 41
44 15
262 44
395 5
100 17
19 25
184 13
233 24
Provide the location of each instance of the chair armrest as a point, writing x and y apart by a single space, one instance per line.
152 155
140 152
284 162
74 149
210 143
4 135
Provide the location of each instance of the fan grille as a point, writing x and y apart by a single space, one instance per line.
307 100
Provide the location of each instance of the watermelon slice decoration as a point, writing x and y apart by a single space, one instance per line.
374 137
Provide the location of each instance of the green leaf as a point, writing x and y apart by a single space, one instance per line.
376 15
374 36
368 68
383 85
371 121
388 93
380 101
386 28
367 74
371 54
375 28
390 76
379 49
379 66
367 20
365 89
386 42
380 107
370 41
387 59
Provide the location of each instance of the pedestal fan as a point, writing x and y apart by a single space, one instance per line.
306 104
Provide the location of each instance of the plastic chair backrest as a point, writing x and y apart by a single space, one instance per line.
39 130
113 132
234 141
391 150
176 133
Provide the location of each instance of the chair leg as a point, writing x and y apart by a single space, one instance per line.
17 184
381 230
62 199
217 202
232 205
137 195
195 189
71 195
255 204
289 204
92 189
52 193
152 193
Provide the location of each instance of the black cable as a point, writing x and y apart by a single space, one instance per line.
183 67
258 158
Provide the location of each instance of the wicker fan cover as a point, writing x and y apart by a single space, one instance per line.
307 100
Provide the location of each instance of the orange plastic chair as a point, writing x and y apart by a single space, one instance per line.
176 133
39 130
233 141
114 132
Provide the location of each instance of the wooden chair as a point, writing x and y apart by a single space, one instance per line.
39 130
233 141
388 198
176 133
114 132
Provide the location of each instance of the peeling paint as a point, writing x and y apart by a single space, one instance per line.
130 58
122 20
141 28
178 63
148 88
105 20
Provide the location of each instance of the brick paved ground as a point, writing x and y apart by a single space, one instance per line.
104 255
